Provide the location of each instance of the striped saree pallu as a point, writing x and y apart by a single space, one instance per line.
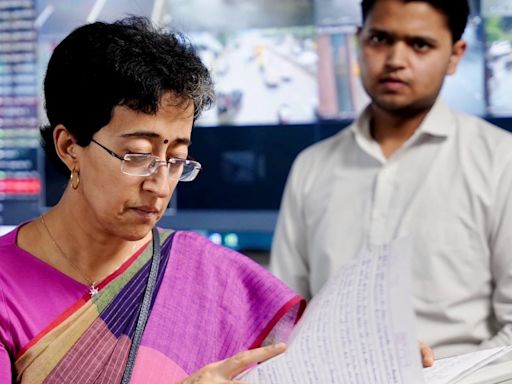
90 342
209 303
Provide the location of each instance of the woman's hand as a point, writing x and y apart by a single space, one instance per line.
427 355
225 370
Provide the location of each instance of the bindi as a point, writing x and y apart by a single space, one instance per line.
166 141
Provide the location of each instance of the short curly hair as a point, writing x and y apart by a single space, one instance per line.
126 63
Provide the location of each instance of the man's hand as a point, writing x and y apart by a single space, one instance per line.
427 356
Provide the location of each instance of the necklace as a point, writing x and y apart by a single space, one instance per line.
93 284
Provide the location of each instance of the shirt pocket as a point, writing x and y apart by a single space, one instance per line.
451 260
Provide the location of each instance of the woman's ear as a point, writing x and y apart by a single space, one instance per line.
66 147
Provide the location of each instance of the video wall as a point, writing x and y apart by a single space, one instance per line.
286 75
498 31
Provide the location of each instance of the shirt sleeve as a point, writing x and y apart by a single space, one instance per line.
5 366
289 259
501 256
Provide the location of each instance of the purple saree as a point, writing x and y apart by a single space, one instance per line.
209 303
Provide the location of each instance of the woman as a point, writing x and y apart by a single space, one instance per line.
85 283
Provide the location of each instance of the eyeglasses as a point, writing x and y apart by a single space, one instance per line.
141 164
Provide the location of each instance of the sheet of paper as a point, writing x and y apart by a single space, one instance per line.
453 369
495 372
358 329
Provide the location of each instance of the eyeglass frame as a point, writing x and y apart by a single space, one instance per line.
158 161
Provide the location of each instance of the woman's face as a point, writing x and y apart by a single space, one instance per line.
123 205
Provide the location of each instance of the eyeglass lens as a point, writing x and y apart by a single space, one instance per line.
145 165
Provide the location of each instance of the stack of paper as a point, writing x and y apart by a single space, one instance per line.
361 329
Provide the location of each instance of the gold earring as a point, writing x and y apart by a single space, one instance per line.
74 178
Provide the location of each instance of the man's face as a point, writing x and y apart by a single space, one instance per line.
406 50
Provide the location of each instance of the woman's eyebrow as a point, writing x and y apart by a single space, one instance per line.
153 135
149 134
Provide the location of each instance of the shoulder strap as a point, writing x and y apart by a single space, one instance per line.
144 309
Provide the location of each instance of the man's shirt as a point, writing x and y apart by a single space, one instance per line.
448 188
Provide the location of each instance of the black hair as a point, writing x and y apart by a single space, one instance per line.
126 63
456 12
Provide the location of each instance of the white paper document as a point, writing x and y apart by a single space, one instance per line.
454 369
359 329
491 374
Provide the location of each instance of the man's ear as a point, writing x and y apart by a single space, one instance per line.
66 147
458 50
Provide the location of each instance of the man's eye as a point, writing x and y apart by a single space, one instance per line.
377 39
421 45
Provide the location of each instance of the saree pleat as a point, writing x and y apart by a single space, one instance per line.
35 365
214 303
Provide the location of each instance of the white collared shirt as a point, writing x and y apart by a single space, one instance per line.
449 188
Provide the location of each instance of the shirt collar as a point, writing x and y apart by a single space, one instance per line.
438 122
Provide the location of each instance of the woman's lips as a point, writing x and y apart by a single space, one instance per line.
146 212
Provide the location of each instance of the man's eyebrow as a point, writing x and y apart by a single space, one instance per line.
378 30
153 135
428 39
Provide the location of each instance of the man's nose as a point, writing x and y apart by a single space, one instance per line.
397 55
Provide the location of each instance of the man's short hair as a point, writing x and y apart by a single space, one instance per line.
456 12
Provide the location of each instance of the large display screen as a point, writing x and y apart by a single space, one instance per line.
285 72
262 76
20 182
498 28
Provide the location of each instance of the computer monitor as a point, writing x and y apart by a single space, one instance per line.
497 16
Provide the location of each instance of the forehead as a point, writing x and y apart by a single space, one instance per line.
173 119
409 18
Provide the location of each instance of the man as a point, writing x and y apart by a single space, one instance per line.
410 166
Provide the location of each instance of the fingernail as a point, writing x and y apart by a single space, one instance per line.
279 345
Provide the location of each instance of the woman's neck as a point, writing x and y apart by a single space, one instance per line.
93 252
